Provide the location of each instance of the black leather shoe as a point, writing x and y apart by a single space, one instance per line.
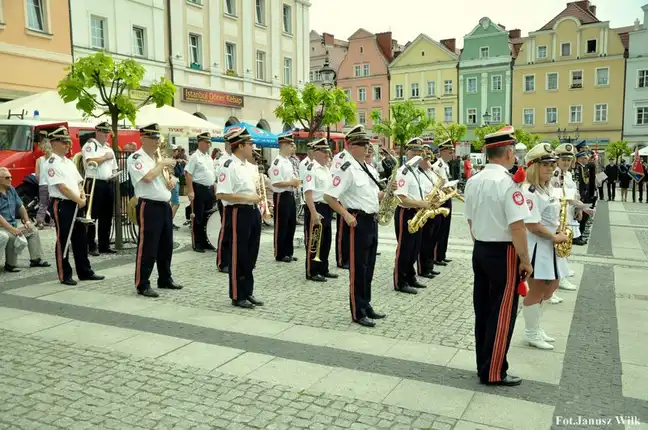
39 263
148 292
243 304
434 272
440 263
200 250
407 289
70 282
316 278
416 284
285 260
579 242
378 253
224 270
344 266
94 252
375 315
171 285
447 260
93 277
366 322
508 381
11 269
293 258
331 275
255 301
428 275
107 251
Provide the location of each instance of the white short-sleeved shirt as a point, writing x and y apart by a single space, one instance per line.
236 177
317 180
569 184
281 170
442 169
428 180
373 171
544 208
493 203
61 171
94 149
408 183
303 165
353 187
42 166
218 163
201 168
340 158
139 164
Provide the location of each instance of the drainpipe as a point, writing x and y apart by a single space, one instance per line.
70 22
625 85
170 41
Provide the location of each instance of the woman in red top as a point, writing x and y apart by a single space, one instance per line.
467 165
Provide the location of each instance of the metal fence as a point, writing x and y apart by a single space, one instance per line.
129 228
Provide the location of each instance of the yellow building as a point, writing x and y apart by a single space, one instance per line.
426 73
570 75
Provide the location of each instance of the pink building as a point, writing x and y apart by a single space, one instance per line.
364 74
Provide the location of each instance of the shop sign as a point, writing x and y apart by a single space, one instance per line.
211 97
140 94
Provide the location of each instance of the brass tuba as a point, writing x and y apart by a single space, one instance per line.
563 249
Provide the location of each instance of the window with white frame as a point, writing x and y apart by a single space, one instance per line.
575 114
576 78
362 118
377 93
261 66
529 116
431 88
447 114
365 69
98 32
347 93
483 52
447 87
542 52
260 12
552 81
36 15
415 90
642 116
288 71
471 114
602 76
529 83
600 112
399 91
551 115
362 94
431 113
496 115
139 42
356 70
195 50
230 56
496 83
287 19
472 85
230 7
565 49
642 78
591 46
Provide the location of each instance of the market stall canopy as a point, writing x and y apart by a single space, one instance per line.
175 122
45 106
260 137
643 152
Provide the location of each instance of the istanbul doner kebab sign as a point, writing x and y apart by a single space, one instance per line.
209 97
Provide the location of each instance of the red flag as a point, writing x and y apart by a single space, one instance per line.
637 172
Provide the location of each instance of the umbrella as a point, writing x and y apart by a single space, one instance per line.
260 137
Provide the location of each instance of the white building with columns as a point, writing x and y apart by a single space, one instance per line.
635 129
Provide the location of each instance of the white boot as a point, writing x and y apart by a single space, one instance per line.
565 284
532 331
554 299
543 334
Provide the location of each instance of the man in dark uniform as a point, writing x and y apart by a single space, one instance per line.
612 172
155 240
425 263
199 174
66 198
586 184
441 168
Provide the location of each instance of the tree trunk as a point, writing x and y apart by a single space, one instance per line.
119 243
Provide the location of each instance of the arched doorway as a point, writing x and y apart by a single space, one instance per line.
263 125
231 121
200 115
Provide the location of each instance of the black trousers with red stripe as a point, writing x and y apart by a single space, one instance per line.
408 248
363 246
103 201
62 211
224 254
342 243
245 232
495 300
318 267
285 224
203 202
444 233
154 243
425 261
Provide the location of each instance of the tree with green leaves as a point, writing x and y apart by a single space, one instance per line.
555 143
528 139
454 132
314 108
406 121
618 149
480 132
100 86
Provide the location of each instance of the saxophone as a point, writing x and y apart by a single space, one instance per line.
564 249
436 198
389 201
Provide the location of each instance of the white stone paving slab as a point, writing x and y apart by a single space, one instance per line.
293 373
508 413
358 342
41 290
244 364
467 425
202 355
310 335
635 380
33 322
431 398
87 333
7 314
356 384
148 345
619 218
421 352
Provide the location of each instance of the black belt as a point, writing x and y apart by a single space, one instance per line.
363 215
201 185
153 202
98 180
481 242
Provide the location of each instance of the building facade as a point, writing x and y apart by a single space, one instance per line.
34 46
229 69
635 129
485 76
364 75
320 45
426 74
569 76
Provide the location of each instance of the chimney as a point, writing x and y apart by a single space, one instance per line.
501 26
637 24
329 40
515 34
451 44
592 9
583 4
385 42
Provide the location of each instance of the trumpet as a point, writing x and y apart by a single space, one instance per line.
266 214
315 241
87 219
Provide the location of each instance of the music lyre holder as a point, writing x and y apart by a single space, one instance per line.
87 219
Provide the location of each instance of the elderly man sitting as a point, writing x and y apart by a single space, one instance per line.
10 206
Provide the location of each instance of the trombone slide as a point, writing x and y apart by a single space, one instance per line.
87 219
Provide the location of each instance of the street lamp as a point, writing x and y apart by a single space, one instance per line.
563 137
328 75
486 117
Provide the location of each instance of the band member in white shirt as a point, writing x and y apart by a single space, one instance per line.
224 241
99 150
284 183
342 229
199 174
425 262
442 169
153 192
237 189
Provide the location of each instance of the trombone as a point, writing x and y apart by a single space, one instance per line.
266 214
315 241
87 219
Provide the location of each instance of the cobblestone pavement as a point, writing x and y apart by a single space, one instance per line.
47 385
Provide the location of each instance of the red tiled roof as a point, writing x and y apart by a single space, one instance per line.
573 10
624 34
516 45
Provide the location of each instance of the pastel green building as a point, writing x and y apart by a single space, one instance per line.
485 74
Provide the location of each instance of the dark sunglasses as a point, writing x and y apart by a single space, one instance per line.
7 177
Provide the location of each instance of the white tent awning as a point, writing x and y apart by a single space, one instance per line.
49 105
175 121
643 152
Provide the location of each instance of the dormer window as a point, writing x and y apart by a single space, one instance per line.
483 52
565 49
591 46
361 50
